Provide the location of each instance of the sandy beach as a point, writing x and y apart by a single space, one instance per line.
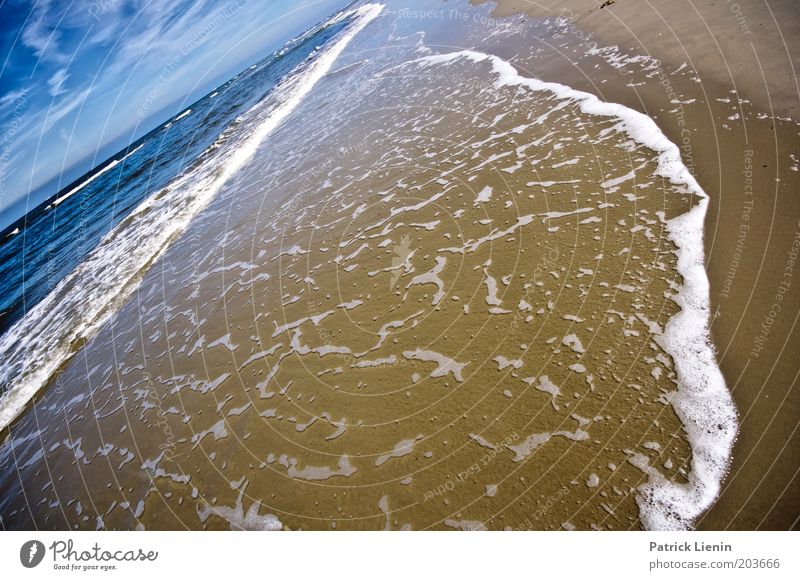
449 275
740 136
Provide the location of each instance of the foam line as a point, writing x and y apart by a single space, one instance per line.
702 400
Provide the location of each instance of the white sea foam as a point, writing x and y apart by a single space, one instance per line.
702 401
186 113
432 277
401 449
238 518
466 525
314 473
444 364
78 306
76 189
484 195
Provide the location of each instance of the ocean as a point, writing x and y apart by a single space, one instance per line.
383 279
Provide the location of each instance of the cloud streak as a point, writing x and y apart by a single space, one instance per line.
40 36
56 83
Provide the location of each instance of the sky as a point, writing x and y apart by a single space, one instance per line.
79 76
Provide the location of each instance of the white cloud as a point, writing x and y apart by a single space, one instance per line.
39 36
56 82
55 114
12 97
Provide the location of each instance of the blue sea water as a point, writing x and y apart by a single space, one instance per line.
40 249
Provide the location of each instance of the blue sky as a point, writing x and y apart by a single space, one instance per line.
77 76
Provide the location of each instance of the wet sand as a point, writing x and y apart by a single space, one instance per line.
392 320
433 344
745 157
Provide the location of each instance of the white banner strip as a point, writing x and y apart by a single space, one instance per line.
356 555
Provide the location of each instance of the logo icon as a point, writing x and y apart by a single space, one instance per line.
31 553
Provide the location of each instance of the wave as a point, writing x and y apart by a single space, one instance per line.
72 192
702 401
186 113
47 336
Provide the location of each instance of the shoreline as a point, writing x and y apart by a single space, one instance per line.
336 383
733 122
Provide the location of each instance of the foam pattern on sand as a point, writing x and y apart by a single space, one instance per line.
703 401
